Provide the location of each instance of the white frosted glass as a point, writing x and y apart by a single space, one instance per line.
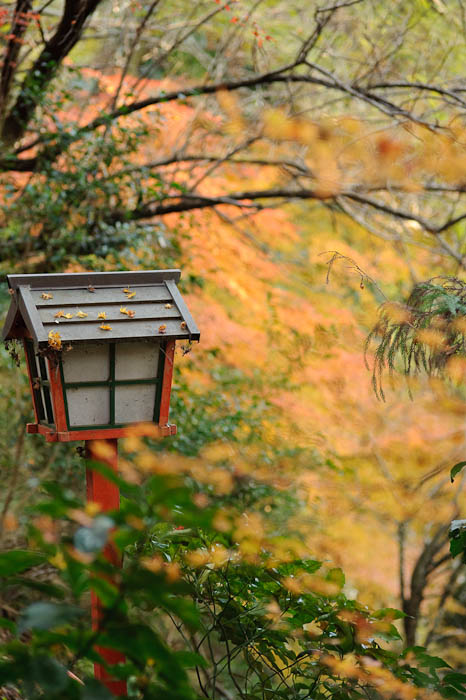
88 406
134 403
86 363
137 360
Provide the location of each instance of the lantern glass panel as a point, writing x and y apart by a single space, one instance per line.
137 360
88 406
134 403
86 363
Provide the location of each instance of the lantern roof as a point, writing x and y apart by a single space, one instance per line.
98 306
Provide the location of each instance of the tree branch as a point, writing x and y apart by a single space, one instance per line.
282 75
19 25
45 66
250 199
419 580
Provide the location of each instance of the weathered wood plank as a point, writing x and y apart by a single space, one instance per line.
131 328
82 297
112 311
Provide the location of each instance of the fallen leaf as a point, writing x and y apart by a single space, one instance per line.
130 295
130 313
127 290
183 325
168 306
46 295
81 314
91 288
55 340
67 315
105 327
59 314
162 328
102 315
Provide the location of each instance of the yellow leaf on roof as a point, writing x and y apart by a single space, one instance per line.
130 295
102 314
55 340
46 295
59 314
162 328
105 327
127 290
67 315
127 312
168 306
81 314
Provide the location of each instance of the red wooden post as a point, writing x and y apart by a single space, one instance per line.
167 383
107 495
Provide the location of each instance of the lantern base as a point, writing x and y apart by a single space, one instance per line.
138 429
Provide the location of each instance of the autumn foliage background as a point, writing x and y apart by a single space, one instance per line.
278 398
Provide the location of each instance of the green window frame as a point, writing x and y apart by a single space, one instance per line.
111 384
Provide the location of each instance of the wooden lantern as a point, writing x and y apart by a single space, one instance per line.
99 350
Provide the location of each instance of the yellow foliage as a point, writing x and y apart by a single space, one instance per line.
431 337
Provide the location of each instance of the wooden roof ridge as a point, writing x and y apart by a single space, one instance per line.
79 280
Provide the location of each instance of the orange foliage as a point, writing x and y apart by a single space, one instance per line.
265 304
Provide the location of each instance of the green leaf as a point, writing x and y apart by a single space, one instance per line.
48 674
390 613
48 589
458 544
456 470
96 691
106 590
45 616
18 560
189 659
7 624
336 576
457 680
185 610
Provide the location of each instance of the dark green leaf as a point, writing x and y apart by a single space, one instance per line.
96 691
458 544
188 659
19 560
456 470
45 616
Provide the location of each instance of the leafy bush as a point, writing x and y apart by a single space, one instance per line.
211 601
